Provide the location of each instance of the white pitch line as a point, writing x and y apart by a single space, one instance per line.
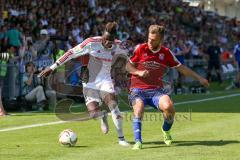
207 99
32 126
61 122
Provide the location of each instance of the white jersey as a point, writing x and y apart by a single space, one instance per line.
100 60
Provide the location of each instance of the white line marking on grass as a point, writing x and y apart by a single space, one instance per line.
32 126
207 99
61 122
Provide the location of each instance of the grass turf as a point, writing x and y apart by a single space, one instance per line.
205 130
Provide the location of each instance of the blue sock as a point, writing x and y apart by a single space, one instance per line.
167 124
137 128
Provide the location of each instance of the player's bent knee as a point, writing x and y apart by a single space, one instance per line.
166 104
167 107
137 102
112 104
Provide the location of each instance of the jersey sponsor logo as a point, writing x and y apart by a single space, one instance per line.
104 59
65 56
151 65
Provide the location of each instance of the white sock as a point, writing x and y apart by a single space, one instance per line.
118 122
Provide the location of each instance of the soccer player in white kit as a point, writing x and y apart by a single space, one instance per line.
99 87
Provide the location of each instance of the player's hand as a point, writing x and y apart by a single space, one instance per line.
204 82
46 72
143 73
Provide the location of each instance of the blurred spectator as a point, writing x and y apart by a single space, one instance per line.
214 54
3 73
180 52
34 90
12 70
236 53
226 57
75 76
13 37
194 49
59 75
92 4
3 45
44 46
27 52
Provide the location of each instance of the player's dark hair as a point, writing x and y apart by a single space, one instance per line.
111 28
157 29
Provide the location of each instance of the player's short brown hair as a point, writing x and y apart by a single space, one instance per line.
156 29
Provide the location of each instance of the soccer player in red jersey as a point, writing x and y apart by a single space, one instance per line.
147 67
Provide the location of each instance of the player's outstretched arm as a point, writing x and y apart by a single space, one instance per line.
79 50
190 73
62 60
134 71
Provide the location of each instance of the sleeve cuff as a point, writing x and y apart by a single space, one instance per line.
177 65
54 66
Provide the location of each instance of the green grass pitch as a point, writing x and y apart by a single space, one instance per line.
202 131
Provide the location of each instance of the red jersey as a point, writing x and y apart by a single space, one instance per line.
157 63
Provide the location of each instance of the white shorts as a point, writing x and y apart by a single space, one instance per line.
97 92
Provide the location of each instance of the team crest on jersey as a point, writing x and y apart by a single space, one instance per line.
98 51
161 56
145 54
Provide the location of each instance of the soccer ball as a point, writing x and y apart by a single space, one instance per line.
68 138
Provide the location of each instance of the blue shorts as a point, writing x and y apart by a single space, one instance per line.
148 96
